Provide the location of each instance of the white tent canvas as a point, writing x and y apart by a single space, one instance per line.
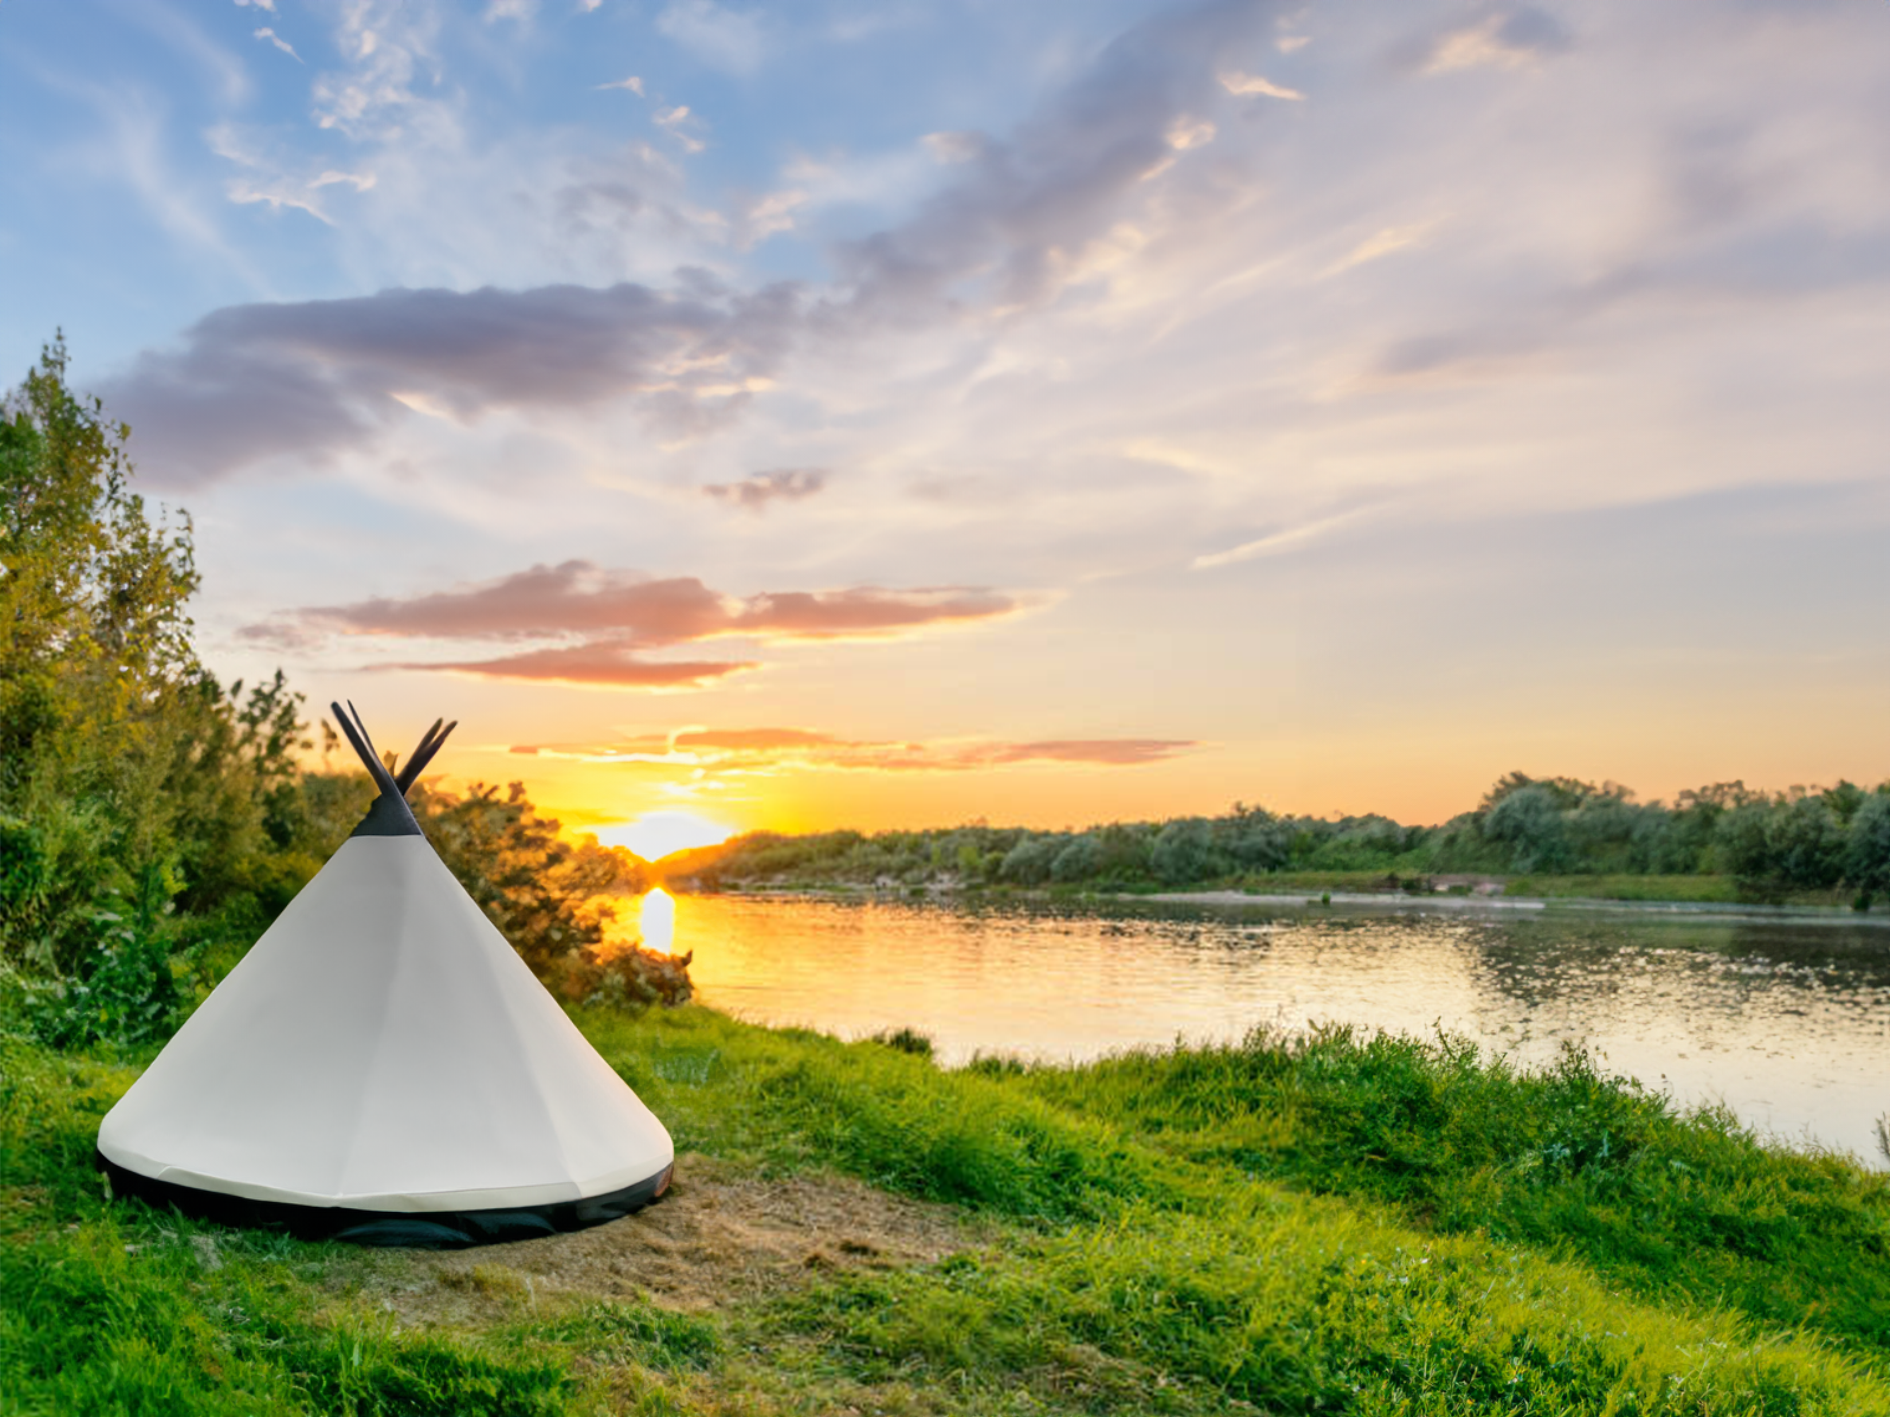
381 1066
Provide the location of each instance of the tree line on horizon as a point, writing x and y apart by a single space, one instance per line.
1772 845
153 820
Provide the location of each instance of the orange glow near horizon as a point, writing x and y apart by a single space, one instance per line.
658 788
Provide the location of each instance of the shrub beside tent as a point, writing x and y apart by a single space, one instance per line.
381 1067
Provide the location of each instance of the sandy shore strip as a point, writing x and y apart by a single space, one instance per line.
1391 903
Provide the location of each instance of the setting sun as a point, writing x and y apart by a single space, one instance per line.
656 834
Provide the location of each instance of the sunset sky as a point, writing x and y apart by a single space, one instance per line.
880 413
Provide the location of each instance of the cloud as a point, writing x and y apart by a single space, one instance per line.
723 39
264 180
1275 543
269 5
606 620
788 484
633 84
677 122
766 216
1188 132
752 738
1241 85
600 664
1508 38
384 46
320 376
866 612
1098 752
280 43
575 597
1380 244
1023 206
314 379
954 146
763 751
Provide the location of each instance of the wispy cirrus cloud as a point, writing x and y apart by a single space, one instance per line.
764 751
312 379
722 38
1505 37
280 43
787 484
602 625
1245 85
1017 208
682 125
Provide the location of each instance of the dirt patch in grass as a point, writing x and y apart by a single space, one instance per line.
720 1235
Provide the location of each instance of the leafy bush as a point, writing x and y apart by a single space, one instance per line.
1867 853
553 899
1772 847
153 821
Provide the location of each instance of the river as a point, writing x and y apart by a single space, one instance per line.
1787 1022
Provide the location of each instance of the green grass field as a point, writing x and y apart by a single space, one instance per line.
1327 1224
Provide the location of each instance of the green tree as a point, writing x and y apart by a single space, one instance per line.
95 665
1184 852
1776 846
1867 854
1528 821
1030 861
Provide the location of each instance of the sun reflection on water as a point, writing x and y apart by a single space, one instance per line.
656 921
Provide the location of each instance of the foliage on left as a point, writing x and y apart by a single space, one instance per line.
153 821
139 798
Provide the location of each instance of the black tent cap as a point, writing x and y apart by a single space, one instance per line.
390 815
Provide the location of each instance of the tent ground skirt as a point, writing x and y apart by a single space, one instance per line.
419 1230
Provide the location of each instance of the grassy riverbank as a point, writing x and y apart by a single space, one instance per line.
1335 1224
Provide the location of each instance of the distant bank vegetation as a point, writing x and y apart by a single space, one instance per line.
153 821
1768 846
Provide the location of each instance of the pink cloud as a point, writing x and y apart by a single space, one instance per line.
788 484
616 616
769 749
594 663
578 597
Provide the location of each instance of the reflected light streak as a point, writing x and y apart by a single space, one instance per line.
656 920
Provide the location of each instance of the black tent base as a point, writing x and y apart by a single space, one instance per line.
417 1230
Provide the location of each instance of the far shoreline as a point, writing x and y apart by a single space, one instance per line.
1390 903
1379 902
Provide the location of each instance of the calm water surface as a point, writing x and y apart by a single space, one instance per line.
1788 1023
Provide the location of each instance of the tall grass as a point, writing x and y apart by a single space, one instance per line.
1288 1304
1329 1224
1565 1159
111 1307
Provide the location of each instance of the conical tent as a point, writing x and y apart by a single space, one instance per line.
382 1067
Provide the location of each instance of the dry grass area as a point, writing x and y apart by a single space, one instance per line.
721 1235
